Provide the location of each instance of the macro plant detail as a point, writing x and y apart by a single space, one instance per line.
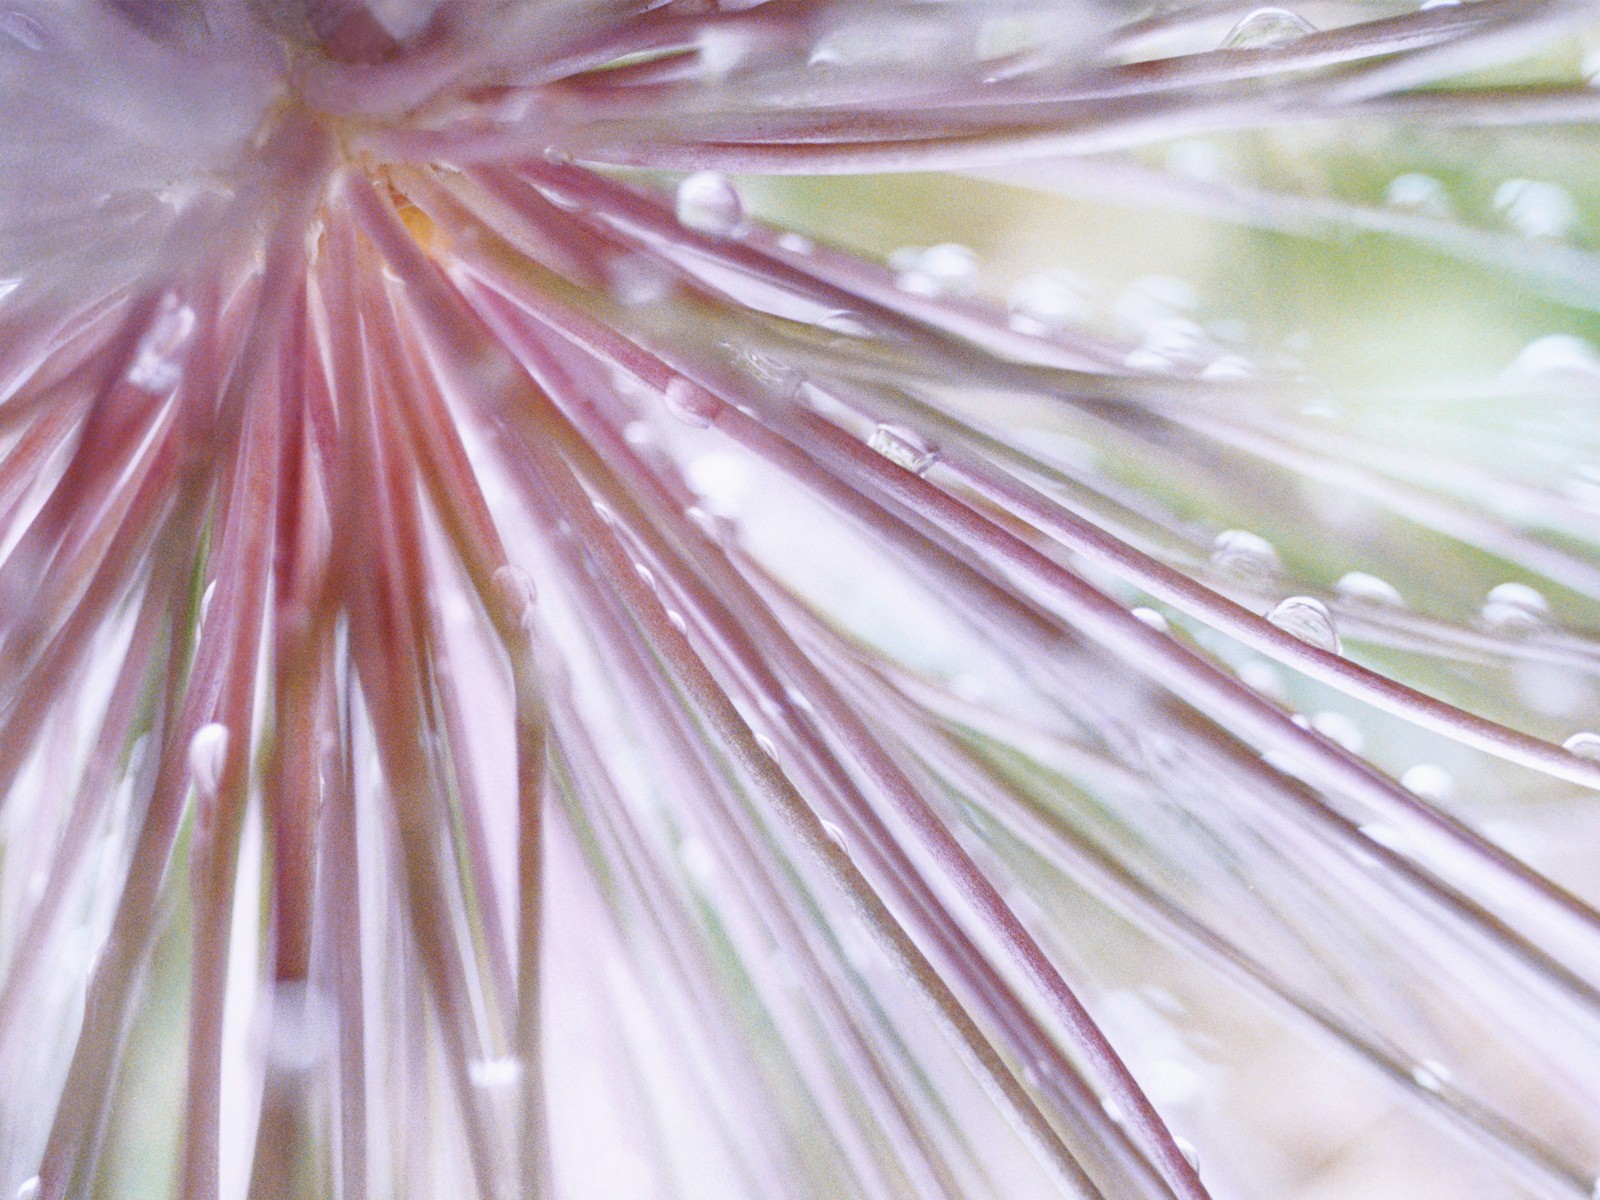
547 650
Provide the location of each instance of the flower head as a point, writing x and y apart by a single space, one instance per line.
522 676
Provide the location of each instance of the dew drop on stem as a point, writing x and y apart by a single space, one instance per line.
692 404
1267 29
1245 556
1583 744
1361 588
903 448
1308 620
708 202
1429 781
1514 608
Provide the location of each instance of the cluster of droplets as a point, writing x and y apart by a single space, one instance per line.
158 362
1048 302
948 269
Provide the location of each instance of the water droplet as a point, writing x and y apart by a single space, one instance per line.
1267 29
691 403
1430 1075
1308 620
1151 298
1261 676
1514 608
492 1073
721 50
563 200
799 700
1244 555
1361 588
30 1189
1427 4
158 363
794 243
519 595
1429 781
903 448
1558 354
1340 730
208 755
1536 209
1229 366
835 835
1152 618
947 269
844 321
1170 343
707 202
1190 1154
1583 744
768 746
1418 193
1386 836
1047 302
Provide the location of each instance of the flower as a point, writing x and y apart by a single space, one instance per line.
519 675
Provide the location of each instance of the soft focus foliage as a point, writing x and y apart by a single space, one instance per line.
807 599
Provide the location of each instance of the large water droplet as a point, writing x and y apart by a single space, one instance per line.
1418 193
1190 1154
1431 1076
1229 366
1561 355
1514 608
1308 620
1170 344
1583 744
1150 617
1245 556
208 755
903 448
158 363
30 1189
1267 29
1429 781
708 202
691 403
1362 588
1536 209
1340 730
1047 302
